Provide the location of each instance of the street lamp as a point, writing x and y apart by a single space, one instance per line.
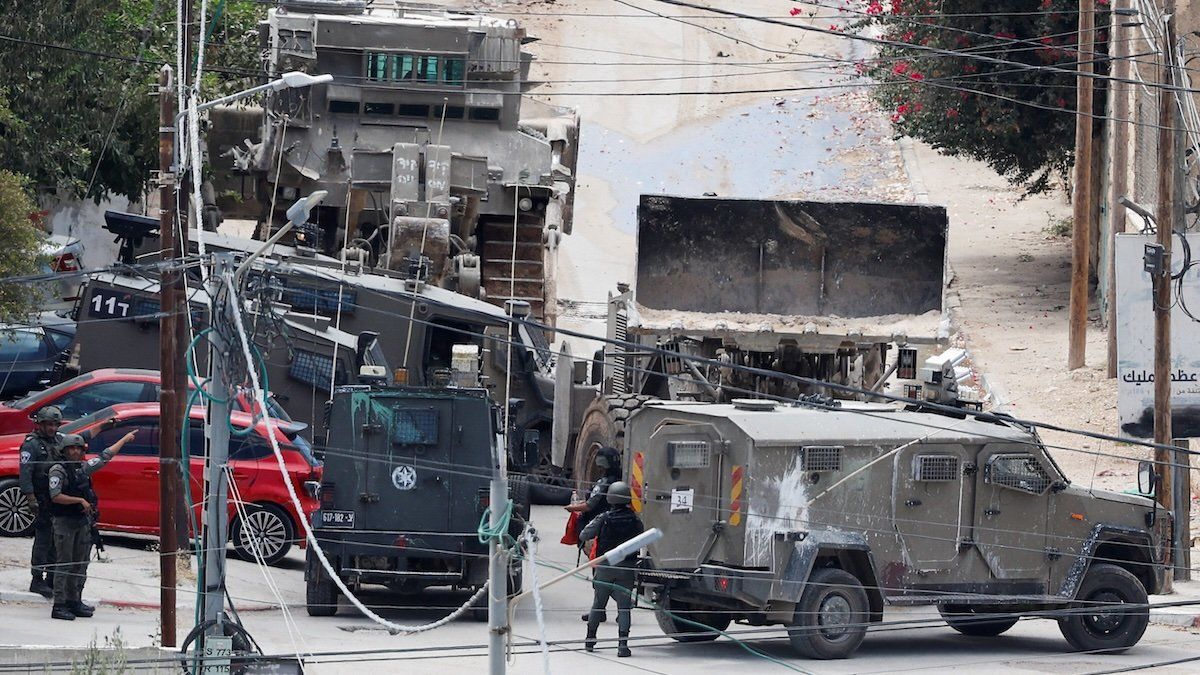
297 215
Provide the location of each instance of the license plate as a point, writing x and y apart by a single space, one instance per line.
337 518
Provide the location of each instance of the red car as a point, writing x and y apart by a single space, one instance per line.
83 395
128 486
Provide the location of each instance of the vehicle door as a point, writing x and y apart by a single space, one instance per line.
89 398
408 471
933 498
1013 486
128 485
25 361
686 495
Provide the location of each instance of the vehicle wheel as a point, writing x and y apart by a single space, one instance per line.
16 518
684 631
1110 630
831 617
320 593
603 424
268 528
962 619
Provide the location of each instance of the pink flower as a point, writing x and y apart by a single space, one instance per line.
951 112
796 11
874 8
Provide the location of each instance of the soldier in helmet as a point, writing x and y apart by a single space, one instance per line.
610 529
609 460
36 453
72 503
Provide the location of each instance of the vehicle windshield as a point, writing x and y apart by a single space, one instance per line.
52 392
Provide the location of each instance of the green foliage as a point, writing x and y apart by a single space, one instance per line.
62 105
21 252
1020 121
1057 226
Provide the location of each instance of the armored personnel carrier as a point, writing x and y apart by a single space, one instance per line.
817 518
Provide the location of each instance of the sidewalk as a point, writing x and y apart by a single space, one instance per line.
1187 616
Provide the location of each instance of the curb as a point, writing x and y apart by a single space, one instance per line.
1177 619
26 597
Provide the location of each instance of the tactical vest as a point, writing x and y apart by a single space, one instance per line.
620 525
41 464
77 484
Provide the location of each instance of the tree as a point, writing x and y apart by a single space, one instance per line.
1019 120
79 79
20 254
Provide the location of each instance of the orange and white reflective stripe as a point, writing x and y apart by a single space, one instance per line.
735 497
636 473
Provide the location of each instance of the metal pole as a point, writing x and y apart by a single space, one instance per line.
498 494
170 403
1082 198
1119 169
1166 216
216 514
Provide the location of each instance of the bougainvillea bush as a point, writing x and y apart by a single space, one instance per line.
1017 116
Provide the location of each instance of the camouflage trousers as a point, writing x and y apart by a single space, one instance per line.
73 545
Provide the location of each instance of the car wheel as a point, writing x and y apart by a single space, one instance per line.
668 612
320 593
267 528
16 518
831 618
963 618
1111 629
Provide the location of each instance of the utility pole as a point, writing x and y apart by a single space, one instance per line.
498 494
1166 216
1119 169
170 404
1082 198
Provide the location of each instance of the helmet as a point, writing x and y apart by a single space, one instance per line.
70 441
619 493
49 413
608 457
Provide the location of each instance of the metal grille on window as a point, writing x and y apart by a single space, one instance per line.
311 368
822 457
145 308
688 454
319 299
936 467
414 427
1020 472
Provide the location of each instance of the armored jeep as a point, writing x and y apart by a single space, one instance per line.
818 518
404 488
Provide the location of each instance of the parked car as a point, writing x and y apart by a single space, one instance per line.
83 395
128 486
62 254
34 356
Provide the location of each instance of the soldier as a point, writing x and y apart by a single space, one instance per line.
36 453
609 459
73 502
610 529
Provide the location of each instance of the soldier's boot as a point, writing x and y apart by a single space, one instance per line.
61 612
623 645
80 609
593 625
44 588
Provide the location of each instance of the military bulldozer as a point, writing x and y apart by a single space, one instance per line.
436 165
731 292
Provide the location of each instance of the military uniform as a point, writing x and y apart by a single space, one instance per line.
37 454
72 529
611 529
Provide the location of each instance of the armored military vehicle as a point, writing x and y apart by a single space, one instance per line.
817 518
436 164
404 488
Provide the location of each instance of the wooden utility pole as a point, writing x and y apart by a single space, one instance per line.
1082 198
1166 215
170 402
1119 168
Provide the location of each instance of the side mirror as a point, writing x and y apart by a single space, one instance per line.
1147 478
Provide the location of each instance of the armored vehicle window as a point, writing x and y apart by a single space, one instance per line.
324 300
485 114
415 426
350 107
313 369
935 467
377 67
454 71
427 69
378 109
822 458
1019 472
688 454
412 110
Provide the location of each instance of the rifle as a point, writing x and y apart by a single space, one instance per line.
96 538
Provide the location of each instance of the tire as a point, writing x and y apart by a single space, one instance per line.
603 424
1112 631
16 518
961 619
277 533
831 618
682 631
320 594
